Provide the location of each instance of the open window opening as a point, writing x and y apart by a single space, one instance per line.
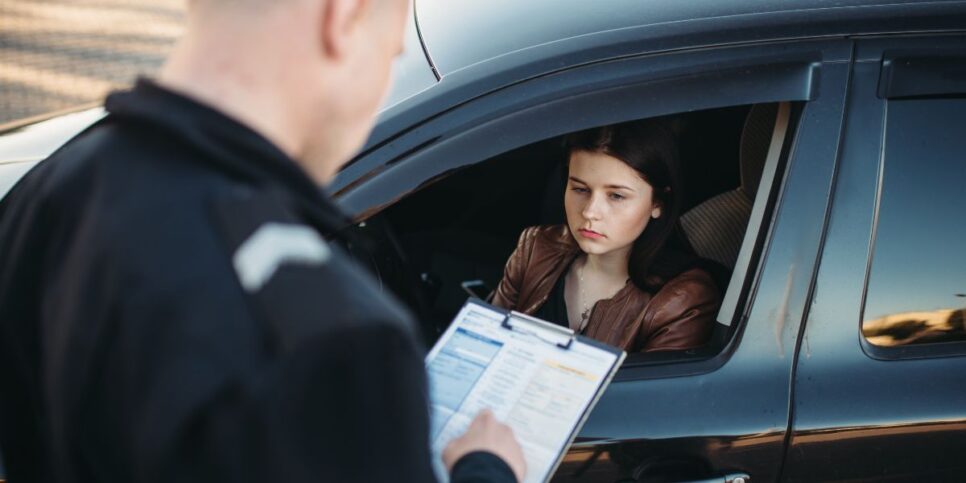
457 233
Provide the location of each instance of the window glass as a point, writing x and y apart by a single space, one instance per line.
917 282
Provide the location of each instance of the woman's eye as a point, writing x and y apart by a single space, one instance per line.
578 189
616 196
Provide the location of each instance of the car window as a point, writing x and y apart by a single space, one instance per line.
461 230
916 291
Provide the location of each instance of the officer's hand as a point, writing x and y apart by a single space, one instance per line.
487 434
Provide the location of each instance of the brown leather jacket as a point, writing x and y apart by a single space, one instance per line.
679 316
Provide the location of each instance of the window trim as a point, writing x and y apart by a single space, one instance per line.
779 139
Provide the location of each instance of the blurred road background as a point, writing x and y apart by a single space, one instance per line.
55 54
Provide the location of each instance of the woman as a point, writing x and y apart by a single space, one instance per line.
617 271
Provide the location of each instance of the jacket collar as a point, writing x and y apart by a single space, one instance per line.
558 250
228 145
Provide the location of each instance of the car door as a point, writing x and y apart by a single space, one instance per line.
879 383
665 416
726 417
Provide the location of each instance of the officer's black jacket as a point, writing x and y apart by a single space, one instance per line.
140 340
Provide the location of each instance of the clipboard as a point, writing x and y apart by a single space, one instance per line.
540 378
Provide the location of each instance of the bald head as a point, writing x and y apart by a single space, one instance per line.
227 4
236 7
260 6
307 74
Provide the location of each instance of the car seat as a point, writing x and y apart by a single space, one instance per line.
716 227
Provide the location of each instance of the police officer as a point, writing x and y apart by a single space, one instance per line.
170 309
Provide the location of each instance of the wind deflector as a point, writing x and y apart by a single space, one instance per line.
910 76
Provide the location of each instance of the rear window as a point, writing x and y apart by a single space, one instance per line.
916 292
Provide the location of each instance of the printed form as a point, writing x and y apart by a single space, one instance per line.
525 372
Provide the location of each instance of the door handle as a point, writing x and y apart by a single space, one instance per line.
729 478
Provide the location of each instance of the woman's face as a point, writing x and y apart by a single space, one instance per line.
608 203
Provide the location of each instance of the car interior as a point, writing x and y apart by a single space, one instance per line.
451 239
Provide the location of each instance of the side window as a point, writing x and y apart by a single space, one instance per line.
445 201
916 291
459 231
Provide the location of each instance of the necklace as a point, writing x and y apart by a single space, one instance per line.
585 313
586 303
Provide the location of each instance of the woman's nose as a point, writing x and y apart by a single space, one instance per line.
592 208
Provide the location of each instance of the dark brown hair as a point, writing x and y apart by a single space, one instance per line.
648 146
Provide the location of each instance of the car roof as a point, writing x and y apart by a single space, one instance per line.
460 34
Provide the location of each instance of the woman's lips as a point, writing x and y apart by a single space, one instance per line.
593 235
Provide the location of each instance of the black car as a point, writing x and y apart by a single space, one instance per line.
823 144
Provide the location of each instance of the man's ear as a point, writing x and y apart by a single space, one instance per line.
339 21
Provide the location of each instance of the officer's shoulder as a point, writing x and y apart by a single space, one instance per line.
124 163
124 194
282 261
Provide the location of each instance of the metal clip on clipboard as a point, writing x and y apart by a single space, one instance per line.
542 324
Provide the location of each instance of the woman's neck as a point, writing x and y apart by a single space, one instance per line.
612 265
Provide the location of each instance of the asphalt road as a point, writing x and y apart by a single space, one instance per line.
55 54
